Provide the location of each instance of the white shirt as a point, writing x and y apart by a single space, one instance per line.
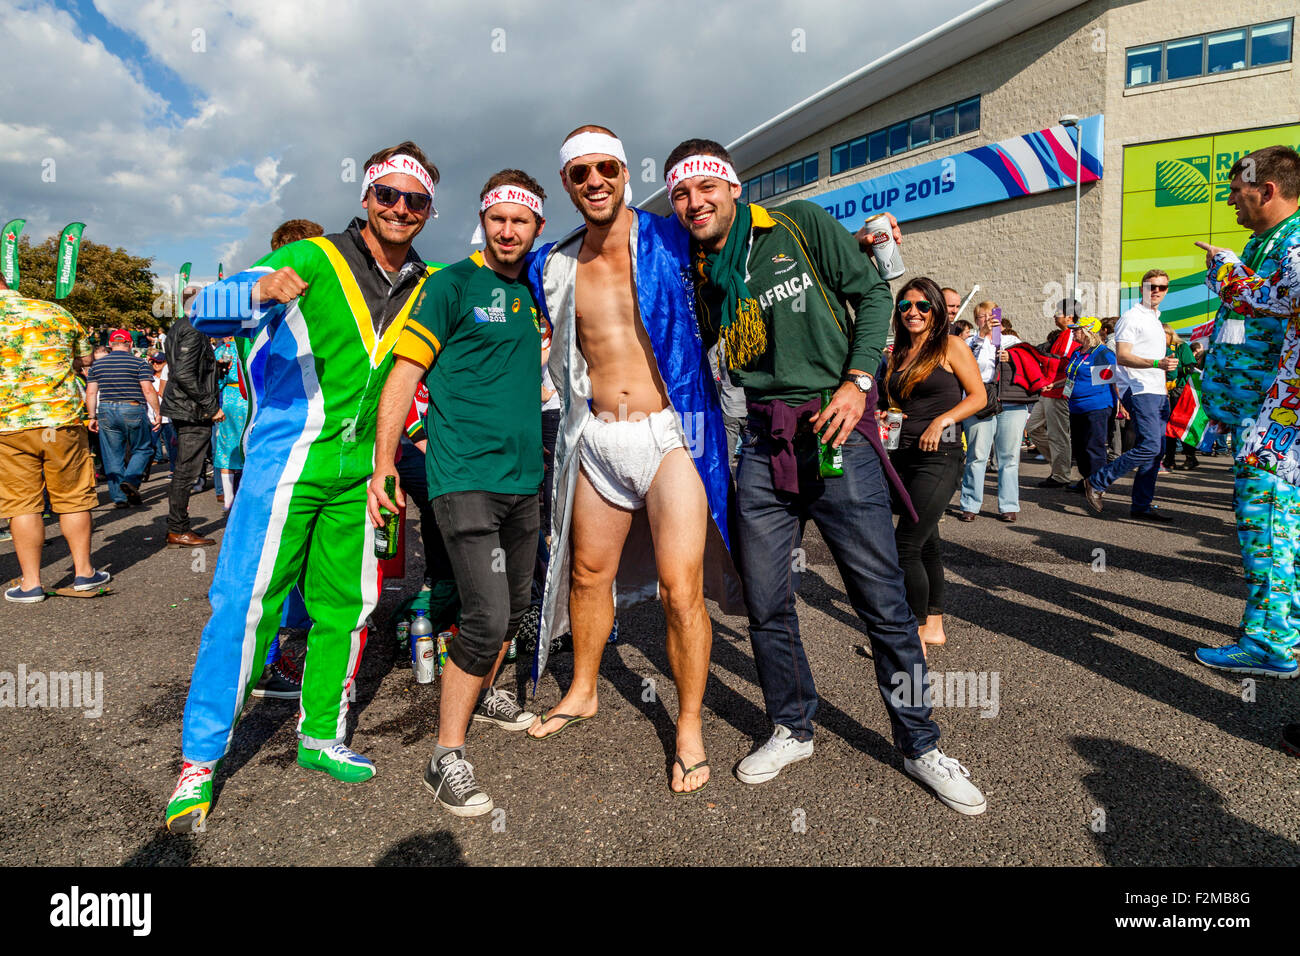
986 356
554 401
1140 327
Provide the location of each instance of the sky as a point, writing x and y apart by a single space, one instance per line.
187 131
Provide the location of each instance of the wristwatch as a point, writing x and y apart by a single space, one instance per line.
864 382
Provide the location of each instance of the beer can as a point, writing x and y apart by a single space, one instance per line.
425 652
889 258
894 426
445 638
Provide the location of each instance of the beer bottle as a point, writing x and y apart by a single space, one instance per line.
386 534
830 462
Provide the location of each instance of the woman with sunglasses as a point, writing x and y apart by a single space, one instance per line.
933 378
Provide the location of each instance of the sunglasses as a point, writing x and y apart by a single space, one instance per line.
1159 288
607 168
387 197
922 306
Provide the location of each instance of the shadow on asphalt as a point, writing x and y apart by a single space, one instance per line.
1158 813
437 848
166 849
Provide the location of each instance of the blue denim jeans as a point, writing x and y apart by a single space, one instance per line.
1149 413
852 512
125 443
1003 431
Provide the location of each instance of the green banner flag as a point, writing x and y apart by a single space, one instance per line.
220 274
182 280
66 272
9 250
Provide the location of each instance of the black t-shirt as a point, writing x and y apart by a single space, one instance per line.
937 393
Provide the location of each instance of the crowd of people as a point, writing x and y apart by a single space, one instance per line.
578 437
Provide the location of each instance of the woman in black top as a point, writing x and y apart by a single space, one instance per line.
932 377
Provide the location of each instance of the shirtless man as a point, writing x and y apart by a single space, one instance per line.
630 450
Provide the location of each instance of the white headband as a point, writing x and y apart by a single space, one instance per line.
509 193
693 166
591 142
400 163
505 194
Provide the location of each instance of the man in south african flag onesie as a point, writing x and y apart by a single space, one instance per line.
324 315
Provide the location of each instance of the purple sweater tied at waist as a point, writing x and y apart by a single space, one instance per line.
782 421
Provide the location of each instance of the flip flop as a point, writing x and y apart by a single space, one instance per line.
72 592
685 771
567 718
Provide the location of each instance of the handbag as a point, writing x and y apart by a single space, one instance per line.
993 392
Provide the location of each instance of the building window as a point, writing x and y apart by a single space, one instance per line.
802 172
1144 65
1270 43
839 159
1184 58
1225 51
920 130
945 123
897 139
968 116
1259 45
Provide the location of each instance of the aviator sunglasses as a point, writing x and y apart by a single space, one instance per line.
608 168
387 197
922 306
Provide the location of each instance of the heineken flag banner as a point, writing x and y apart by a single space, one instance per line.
1187 420
182 280
66 270
9 250
220 272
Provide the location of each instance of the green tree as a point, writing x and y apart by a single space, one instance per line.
114 289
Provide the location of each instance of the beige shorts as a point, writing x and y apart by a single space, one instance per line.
621 459
36 460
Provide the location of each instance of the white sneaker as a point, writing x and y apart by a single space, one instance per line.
766 762
949 780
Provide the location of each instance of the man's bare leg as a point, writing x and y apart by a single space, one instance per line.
598 533
679 513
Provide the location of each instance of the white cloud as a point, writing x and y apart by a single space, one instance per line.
282 93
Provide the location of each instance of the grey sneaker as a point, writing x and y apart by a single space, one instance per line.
501 707
766 762
451 780
949 780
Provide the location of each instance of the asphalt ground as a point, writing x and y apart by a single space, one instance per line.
1108 743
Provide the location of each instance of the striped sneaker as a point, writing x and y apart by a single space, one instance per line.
338 761
188 808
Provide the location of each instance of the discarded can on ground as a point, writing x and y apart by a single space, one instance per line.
403 633
424 651
894 429
445 639
889 258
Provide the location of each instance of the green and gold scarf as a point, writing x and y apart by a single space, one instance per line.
723 272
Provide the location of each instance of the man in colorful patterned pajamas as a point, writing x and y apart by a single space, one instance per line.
324 314
1241 375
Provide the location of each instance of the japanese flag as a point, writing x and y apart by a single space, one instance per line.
1103 374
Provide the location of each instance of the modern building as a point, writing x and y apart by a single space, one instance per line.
958 134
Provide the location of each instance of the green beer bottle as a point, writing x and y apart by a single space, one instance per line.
386 534
831 460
